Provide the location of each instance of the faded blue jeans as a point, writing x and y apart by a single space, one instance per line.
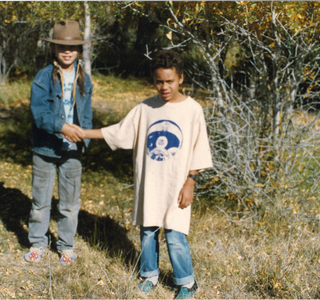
69 183
179 253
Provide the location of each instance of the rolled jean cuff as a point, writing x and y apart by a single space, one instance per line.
150 273
183 281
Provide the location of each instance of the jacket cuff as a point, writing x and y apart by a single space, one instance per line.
58 125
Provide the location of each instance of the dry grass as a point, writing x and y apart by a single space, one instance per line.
277 257
119 95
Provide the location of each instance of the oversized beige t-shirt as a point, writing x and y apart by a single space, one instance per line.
169 140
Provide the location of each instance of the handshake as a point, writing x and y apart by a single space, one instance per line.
73 133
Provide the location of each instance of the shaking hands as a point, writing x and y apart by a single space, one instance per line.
73 133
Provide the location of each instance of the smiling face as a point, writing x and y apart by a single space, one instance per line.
167 82
66 55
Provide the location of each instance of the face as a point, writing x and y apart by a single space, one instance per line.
66 55
167 82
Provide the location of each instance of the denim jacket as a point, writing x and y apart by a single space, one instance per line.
49 116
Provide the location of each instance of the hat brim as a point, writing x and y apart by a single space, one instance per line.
66 42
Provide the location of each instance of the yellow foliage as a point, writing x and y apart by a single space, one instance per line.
249 201
215 179
169 35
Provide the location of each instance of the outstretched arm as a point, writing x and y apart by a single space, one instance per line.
186 194
73 130
93 134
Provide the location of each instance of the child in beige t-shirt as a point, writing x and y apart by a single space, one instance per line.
169 138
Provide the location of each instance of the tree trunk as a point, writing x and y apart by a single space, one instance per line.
87 36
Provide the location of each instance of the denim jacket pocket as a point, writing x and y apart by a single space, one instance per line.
54 103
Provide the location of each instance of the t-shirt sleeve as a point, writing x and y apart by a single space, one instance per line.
123 134
201 158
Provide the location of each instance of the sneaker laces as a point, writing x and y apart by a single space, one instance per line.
67 253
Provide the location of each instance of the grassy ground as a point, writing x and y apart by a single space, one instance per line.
277 257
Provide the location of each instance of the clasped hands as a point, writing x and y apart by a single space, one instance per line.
73 133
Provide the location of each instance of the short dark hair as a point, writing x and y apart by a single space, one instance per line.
167 59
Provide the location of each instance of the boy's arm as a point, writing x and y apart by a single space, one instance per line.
85 134
186 194
93 134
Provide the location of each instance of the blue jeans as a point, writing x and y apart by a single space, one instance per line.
179 253
69 184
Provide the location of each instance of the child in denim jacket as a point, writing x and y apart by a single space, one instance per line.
60 97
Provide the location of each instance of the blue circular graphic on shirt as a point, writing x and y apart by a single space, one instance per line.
164 140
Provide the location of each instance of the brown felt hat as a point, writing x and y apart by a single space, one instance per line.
66 33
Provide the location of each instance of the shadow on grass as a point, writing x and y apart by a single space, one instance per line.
97 231
107 234
166 278
103 232
14 211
